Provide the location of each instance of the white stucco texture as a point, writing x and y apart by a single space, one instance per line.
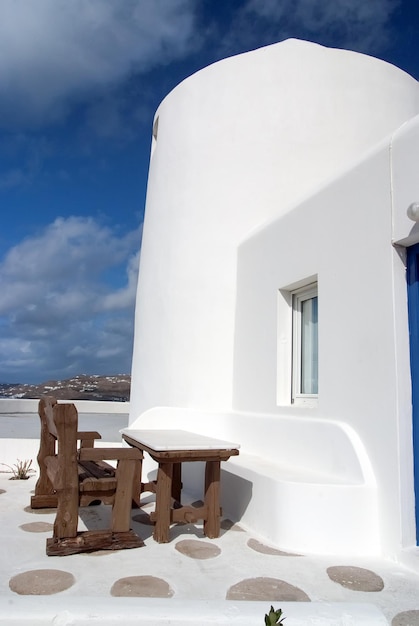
283 166
238 144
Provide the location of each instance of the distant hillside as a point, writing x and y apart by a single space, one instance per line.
83 387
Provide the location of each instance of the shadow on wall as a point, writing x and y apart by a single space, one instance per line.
236 494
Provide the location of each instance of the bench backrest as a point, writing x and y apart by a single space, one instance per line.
61 421
46 413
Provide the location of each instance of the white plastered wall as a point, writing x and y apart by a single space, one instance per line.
344 235
268 169
239 143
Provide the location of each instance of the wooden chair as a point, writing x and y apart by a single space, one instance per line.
71 477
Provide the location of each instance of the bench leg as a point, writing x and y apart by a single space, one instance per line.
212 499
121 510
66 519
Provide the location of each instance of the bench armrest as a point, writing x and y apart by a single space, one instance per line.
88 434
87 438
110 454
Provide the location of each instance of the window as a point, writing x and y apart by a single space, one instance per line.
304 344
155 133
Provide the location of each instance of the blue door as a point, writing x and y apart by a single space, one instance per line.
413 307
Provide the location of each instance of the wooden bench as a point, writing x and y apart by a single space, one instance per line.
71 477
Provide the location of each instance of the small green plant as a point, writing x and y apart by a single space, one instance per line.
274 617
20 470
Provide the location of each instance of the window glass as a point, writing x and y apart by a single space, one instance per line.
305 343
309 346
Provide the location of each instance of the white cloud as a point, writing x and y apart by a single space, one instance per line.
53 52
60 312
124 297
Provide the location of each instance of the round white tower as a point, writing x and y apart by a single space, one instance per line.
234 146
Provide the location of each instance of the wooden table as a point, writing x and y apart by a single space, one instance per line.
171 448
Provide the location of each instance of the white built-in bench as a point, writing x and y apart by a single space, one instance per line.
303 484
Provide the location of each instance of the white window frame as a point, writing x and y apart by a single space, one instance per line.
298 297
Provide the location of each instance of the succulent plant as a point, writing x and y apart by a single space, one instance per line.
274 617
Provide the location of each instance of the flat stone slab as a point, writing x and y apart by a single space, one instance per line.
355 578
41 582
406 618
269 589
141 587
197 549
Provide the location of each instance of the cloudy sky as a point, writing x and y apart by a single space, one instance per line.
79 83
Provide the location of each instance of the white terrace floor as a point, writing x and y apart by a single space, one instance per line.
191 580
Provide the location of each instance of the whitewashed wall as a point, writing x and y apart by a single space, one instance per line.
270 168
239 143
344 236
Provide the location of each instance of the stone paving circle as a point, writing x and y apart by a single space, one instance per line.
41 582
268 589
355 578
407 618
141 587
196 549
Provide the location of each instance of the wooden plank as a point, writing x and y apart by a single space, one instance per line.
179 456
44 501
92 540
108 454
97 485
90 469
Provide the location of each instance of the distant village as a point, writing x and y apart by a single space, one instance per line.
82 387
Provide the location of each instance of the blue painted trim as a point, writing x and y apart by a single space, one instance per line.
413 308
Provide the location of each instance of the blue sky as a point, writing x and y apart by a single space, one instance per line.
79 83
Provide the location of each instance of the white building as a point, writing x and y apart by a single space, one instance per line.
279 186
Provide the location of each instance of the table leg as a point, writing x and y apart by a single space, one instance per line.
163 502
212 499
177 482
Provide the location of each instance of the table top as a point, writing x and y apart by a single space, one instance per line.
167 440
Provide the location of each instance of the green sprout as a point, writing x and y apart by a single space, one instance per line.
274 617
